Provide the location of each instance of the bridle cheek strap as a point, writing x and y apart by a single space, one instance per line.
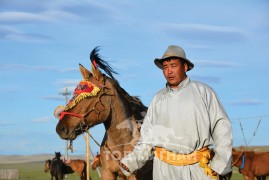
69 113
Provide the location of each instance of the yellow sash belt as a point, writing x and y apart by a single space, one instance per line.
203 155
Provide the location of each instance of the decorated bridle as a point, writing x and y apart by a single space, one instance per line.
83 90
88 89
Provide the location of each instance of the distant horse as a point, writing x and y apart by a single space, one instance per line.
57 156
100 99
251 164
78 166
57 169
96 162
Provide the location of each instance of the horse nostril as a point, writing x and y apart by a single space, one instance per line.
62 128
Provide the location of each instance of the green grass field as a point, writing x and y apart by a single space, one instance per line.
35 171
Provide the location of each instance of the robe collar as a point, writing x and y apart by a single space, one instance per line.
182 85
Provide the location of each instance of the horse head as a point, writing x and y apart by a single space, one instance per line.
91 101
237 156
96 162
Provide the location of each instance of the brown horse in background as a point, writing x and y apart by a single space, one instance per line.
79 166
110 104
96 162
251 164
57 169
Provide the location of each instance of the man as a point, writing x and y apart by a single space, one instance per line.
182 121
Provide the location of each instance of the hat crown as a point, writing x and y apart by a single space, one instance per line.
174 51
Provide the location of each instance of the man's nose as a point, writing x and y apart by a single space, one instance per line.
170 70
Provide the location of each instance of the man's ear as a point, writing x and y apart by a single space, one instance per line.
186 67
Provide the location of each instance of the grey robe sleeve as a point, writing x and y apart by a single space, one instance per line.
143 150
221 131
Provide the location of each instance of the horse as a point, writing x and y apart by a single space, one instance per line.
99 99
79 166
96 162
57 156
57 169
251 164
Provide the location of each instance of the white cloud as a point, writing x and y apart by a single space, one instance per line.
24 37
11 33
8 90
206 79
205 32
11 67
42 119
247 102
68 82
19 17
54 98
215 64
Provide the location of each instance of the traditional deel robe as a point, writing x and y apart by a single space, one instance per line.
183 121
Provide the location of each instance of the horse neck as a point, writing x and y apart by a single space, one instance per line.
120 128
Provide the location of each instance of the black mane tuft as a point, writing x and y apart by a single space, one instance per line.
94 56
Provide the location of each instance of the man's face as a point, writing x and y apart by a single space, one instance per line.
174 71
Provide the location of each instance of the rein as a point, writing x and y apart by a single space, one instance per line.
243 161
238 158
116 158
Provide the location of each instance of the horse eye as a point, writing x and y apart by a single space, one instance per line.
83 87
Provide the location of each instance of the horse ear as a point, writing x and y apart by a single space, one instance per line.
86 74
97 73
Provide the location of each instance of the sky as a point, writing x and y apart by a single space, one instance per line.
42 43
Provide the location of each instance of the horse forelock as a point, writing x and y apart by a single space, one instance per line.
104 65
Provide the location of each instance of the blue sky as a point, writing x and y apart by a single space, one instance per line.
42 43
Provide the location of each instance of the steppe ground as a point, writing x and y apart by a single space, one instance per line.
32 167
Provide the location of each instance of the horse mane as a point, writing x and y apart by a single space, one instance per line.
95 58
135 103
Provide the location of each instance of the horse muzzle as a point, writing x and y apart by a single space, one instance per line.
65 133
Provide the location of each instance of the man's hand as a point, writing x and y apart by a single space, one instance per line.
124 166
214 173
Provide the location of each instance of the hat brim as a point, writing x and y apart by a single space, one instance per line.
159 62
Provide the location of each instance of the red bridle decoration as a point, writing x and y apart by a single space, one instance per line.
83 90
69 113
94 63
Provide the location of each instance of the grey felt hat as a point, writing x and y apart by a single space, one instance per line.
173 52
